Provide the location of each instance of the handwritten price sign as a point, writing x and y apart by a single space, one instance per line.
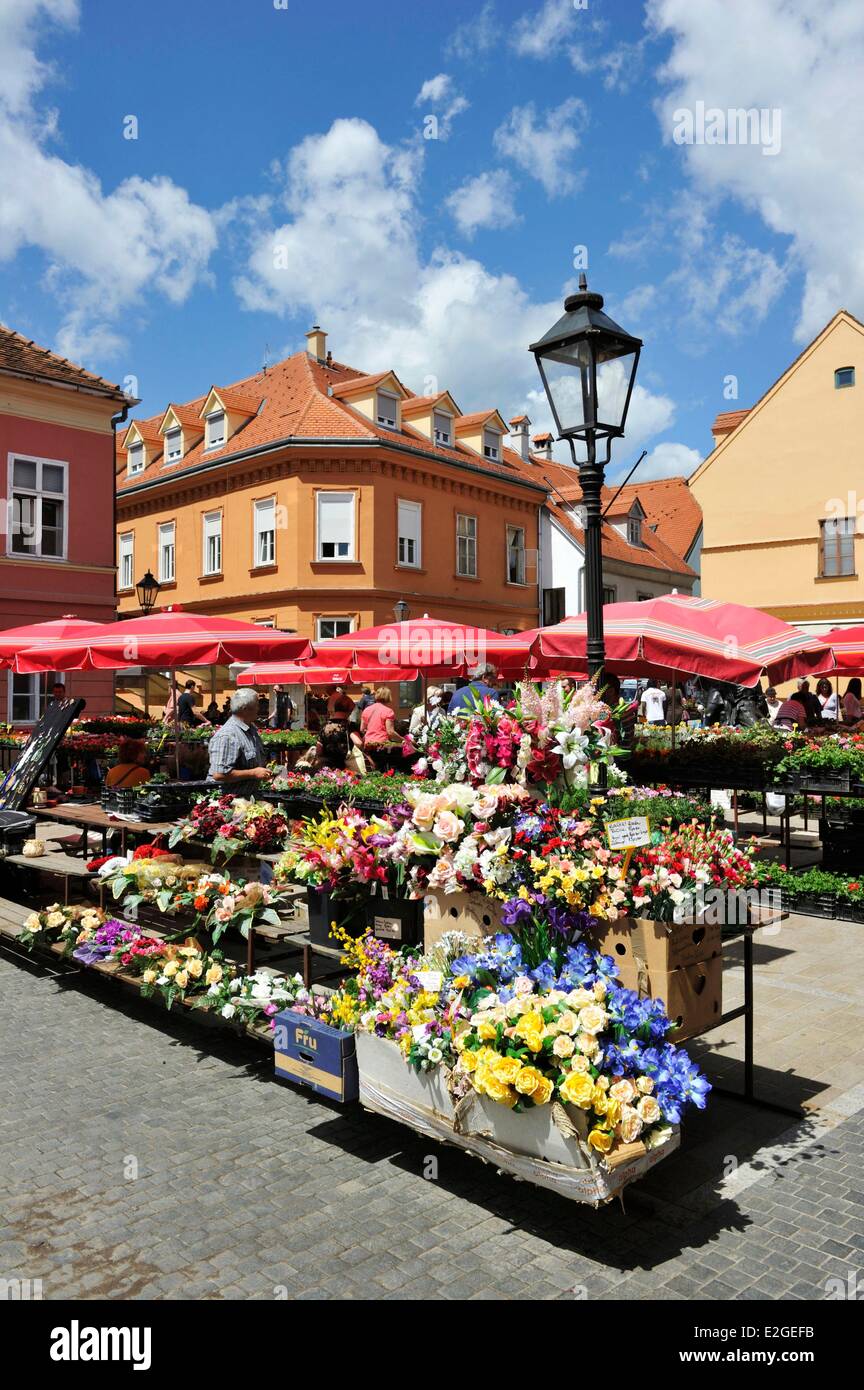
628 834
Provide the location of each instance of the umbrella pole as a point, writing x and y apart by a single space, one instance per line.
176 723
674 684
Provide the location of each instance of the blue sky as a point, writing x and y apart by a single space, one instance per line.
281 175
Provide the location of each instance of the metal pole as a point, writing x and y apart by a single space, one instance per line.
591 483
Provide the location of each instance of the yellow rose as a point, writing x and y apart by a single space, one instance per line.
214 974
543 1093
55 919
32 922
644 1085
648 1110
195 967
593 1019
599 1103
468 1060
563 1046
578 1090
630 1125
612 1111
567 1022
527 1081
181 979
588 1044
578 1063
624 1091
599 990
580 998
601 1140
486 1031
503 1095
507 1069
149 976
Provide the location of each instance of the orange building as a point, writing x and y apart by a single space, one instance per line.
312 497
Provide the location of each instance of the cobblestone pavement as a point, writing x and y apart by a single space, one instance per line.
248 1188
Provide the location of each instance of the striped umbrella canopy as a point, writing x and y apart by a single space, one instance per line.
431 645
169 638
288 673
847 644
14 639
678 635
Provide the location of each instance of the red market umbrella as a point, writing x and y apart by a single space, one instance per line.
278 673
847 644
169 638
676 634
14 639
431 645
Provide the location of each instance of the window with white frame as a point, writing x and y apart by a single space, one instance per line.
214 429
126 561
335 525
173 445
443 427
409 520
516 554
491 445
466 546
135 458
166 553
387 410
37 506
837 546
27 697
211 524
332 627
634 530
265 531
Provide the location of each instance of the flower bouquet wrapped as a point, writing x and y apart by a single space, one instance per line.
232 825
58 923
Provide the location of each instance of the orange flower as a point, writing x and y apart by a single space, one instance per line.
200 903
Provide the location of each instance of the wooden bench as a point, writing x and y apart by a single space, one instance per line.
58 865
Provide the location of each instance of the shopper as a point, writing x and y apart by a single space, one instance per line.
340 706
186 712
792 713
481 689
131 766
237 756
772 703
376 724
653 703
853 712
812 703
827 697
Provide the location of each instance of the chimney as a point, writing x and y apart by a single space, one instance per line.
519 426
542 445
316 343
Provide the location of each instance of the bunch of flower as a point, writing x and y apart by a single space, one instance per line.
396 996
549 734
575 1037
669 879
110 939
457 837
58 923
562 862
836 752
247 998
335 849
231 824
162 879
176 970
289 780
221 902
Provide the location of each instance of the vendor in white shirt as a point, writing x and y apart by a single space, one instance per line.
652 706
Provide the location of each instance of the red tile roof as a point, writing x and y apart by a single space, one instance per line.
21 357
297 405
244 403
477 418
728 420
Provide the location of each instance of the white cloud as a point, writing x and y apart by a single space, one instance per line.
668 460
541 33
441 99
561 29
484 201
475 37
544 148
103 251
804 61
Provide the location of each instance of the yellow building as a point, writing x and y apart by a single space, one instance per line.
782 492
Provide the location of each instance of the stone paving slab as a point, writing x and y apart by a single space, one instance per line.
140 1158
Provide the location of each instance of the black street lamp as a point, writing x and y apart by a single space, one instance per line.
400 611
147 590
588 366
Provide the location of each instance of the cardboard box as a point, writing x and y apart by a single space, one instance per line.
660 945
315 1055
693 994
473 914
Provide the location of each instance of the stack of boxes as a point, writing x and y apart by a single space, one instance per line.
678 962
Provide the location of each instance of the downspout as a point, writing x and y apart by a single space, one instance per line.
118 419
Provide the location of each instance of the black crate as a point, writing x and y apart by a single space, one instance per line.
325 907
812 904
398 921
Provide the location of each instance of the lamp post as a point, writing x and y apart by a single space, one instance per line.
147 590
400 611
588 365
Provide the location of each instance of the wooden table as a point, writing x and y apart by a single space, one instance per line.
58 865
89 816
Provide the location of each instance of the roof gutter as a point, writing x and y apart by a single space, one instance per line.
82 388
295 441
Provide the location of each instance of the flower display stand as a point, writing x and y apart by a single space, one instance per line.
540 1146
473 914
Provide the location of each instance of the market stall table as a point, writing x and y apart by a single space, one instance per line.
92 817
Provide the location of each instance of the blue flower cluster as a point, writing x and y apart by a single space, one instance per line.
633 1046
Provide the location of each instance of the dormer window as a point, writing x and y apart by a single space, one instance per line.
173 445
136 458
491 445
634 530
387 411
214 428
442 425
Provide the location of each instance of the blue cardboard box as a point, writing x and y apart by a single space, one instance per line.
316 1055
